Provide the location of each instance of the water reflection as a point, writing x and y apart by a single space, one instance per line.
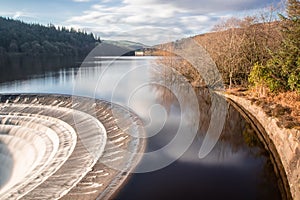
236 168
22 67
236 134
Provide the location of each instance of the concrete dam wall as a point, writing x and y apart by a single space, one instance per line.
65 147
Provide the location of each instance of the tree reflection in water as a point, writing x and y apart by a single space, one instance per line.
237 136
14 68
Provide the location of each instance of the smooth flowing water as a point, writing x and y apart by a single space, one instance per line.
238 167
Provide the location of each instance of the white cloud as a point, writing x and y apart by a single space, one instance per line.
205 6
81 0
17 14
143 22
153 21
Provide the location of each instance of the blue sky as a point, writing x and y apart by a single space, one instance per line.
146 21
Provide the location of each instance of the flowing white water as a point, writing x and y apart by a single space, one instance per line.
54 148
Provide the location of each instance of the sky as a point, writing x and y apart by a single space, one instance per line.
146 21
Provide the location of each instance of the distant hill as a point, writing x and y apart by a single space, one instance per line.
126 44
117 48
17 37
105 49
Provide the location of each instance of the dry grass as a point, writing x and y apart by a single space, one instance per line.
285 106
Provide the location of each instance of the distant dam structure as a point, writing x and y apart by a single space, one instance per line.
66 147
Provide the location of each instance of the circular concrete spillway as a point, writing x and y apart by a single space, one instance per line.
65 147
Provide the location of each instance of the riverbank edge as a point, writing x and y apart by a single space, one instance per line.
283 143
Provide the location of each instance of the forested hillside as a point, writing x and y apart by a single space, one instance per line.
258 51
17 37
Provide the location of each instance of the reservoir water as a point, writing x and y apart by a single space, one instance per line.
237 167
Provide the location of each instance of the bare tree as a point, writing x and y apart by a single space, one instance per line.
237 44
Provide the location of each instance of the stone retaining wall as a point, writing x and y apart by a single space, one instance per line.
286 142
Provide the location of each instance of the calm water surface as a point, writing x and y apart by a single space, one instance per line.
237 167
